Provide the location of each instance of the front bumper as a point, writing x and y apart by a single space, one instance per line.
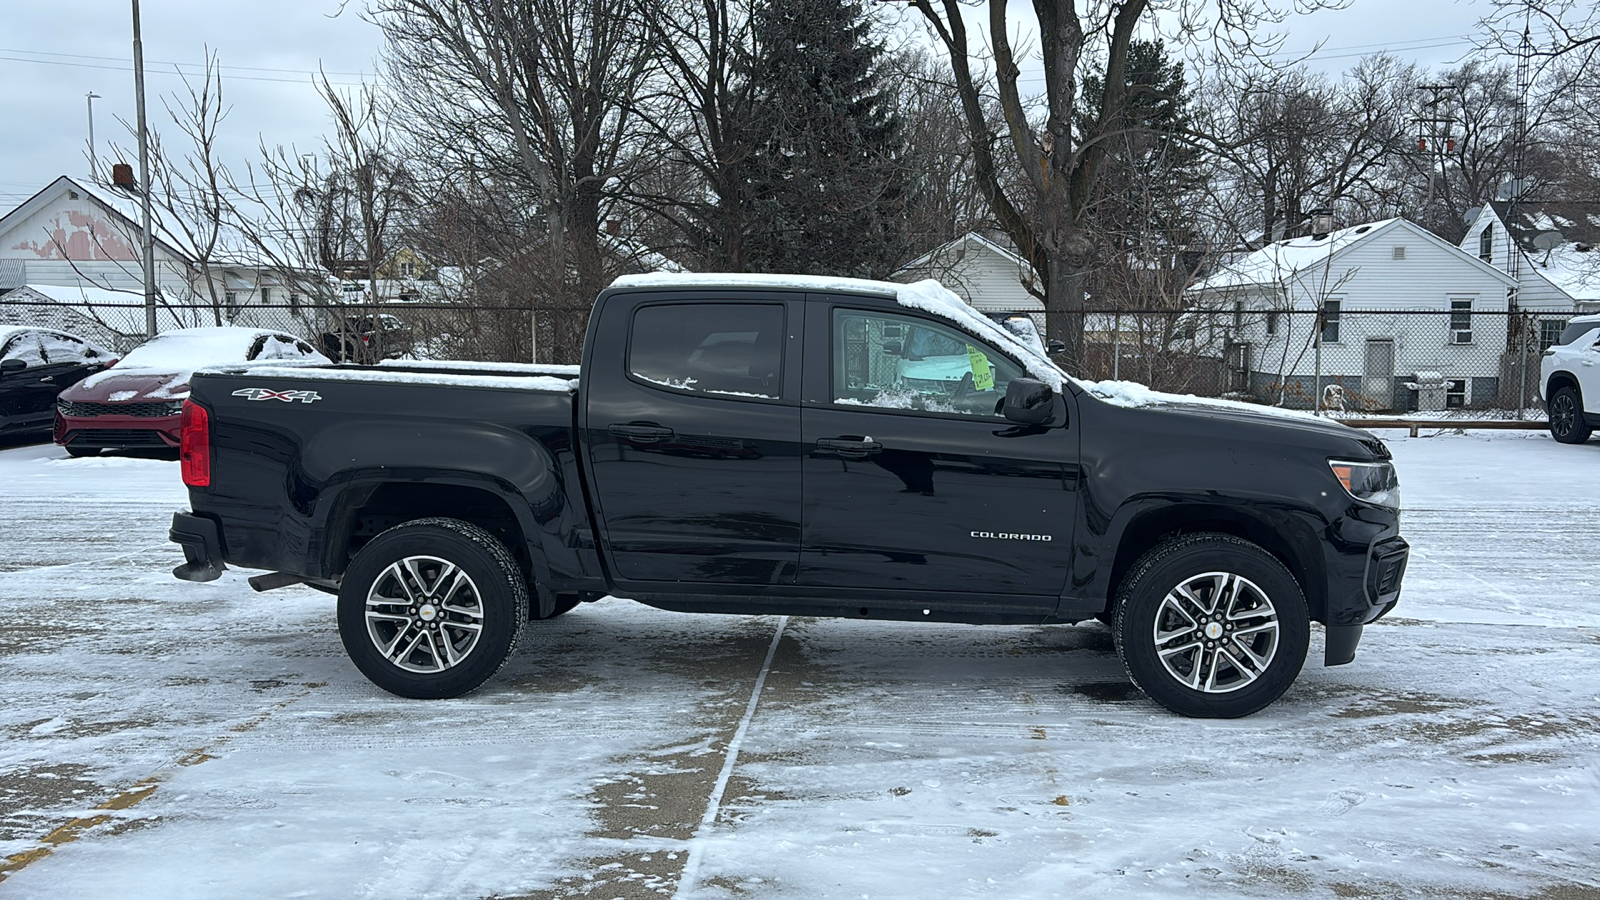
1379 591
201 540
118 432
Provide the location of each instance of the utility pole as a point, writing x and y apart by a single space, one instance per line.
1434 138
94 165
149 248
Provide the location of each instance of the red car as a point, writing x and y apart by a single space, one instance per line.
139 404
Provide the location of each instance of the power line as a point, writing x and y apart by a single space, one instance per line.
157 62
129 68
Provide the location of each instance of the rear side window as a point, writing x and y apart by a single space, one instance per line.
710 348
64 348
1576 330
24 346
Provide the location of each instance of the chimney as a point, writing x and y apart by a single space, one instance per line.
122 177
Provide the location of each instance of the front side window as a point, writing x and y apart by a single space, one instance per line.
898 362
734 350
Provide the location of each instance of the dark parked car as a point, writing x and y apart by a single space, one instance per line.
36 364
367 339
137 405
754 444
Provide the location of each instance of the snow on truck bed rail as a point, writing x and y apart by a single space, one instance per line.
503 376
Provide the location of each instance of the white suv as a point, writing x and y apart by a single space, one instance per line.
1569 381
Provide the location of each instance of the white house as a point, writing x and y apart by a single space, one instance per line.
1399 302
992 278
1552 248
87 237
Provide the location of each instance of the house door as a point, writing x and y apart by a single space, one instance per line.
1377 376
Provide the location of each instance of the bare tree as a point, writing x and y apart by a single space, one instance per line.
535 95
1060 162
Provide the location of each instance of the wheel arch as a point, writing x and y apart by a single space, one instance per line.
1289 540
367 507
1558 380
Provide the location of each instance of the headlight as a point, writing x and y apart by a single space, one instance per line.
1369 482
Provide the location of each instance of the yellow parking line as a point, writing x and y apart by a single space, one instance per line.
130 798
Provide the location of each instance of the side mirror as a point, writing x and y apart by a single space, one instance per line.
1055 347
1028 402
11 366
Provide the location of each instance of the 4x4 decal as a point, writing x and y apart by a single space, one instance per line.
285 396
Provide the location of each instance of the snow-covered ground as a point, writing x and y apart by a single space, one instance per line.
170 740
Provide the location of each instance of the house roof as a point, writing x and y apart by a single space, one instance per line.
1286 259
1572 266
119 311
1576 221
971 237
122 205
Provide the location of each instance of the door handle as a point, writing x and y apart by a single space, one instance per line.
858 446
642 432
48 378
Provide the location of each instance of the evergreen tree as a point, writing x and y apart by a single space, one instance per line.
826 186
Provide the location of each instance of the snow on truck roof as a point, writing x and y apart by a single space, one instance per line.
930 296
926 295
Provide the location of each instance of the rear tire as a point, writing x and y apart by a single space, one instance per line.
430 609
1566 416
1211 626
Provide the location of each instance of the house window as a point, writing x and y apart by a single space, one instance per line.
1330 321
1399 253
1272 321
294 302
1460 321
1550 333
407 270
1486 243
266 296
1238 315
232 299
1455 393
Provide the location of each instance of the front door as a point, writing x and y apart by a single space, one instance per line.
913 481
694 439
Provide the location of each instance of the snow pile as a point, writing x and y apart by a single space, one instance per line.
180 353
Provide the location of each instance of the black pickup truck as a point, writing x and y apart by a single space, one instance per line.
785 445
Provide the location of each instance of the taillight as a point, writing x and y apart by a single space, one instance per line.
194 445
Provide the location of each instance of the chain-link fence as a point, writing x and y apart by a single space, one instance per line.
1457 362
1460 362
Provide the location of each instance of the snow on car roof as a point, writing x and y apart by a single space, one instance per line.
184 350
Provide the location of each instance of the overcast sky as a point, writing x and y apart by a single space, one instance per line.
54 52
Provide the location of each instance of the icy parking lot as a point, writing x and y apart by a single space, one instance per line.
170 740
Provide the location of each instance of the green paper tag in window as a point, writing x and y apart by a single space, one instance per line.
982 373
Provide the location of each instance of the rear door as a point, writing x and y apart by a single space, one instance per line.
913 481
693 437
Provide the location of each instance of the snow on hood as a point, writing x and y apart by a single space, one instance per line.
1133 395
173 356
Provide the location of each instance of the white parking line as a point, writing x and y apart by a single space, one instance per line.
695 847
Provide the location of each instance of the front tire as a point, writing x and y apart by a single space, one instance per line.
432 608
1211 626
1566 416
